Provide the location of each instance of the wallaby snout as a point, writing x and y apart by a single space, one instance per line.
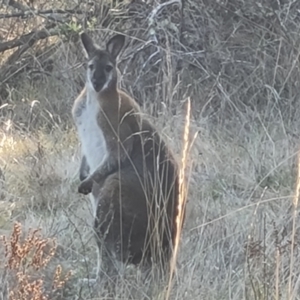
98 80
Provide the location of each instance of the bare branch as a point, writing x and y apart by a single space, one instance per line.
29 39
152 32
160 6
32 13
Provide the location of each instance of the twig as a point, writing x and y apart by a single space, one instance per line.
145 64
182 21
10 68
132 55
32 13
159 7
152 33
30 38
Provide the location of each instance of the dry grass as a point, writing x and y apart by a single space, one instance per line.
238 62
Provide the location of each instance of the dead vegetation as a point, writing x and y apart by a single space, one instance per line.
238 61
22 258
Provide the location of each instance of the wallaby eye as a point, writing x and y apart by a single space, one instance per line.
91 67
108 68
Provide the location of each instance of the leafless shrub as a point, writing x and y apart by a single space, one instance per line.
23 260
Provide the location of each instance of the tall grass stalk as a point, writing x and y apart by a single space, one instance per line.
182 195
295 206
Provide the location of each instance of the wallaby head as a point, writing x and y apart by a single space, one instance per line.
101 70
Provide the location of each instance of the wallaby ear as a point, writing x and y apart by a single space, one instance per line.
88 43
115 45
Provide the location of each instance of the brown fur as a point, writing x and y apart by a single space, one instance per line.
137 186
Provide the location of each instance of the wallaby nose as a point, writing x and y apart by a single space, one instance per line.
98 80
98 84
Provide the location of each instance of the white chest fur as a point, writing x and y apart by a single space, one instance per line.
93 144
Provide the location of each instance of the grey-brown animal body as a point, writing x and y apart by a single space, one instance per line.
126 167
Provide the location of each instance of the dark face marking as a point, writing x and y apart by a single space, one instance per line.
100 69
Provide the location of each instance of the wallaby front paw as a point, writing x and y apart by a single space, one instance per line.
85 187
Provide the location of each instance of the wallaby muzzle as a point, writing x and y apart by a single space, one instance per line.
98 82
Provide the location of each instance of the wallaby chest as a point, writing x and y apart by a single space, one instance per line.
91 135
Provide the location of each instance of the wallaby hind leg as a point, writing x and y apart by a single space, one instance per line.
122 217
107 266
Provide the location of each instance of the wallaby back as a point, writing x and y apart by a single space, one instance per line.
126 166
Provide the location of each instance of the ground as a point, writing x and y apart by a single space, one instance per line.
239 67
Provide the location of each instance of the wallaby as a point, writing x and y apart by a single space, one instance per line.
126 166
